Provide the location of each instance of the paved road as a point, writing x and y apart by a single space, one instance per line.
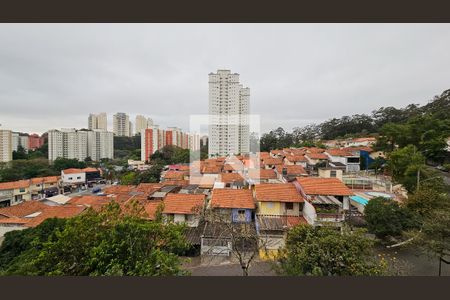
88 191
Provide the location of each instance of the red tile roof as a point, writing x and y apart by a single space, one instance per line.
338 152
273 161
323 186
262 174
23 209
63 212
151 207
232 198
277 192
14 184
295 158
231 177
316 156
174 175
292 170
74 170
183 203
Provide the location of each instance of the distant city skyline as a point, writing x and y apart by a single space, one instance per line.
298 73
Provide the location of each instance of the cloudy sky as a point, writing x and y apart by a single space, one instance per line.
54 75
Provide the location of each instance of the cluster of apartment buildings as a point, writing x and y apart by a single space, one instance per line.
11 141
155 138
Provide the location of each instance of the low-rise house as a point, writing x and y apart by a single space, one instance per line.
295 160
256 176
183 208
41 187
345 157
327 200
271 163
288 173
277 153
78 177
232 180
32 213
278 199
364 141
315 158
233 205
12 193
174 175
331 173
272 230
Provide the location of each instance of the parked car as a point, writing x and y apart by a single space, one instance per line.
96 190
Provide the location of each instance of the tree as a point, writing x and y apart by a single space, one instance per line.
151 175
405 164
434 235
20 153
426 200
26 241
26 169
129 178
324 251
109 242
385 217
60 164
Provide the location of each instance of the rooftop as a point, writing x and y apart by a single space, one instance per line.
277 192
323 186
232 198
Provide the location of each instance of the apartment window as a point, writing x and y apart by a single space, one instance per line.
289 206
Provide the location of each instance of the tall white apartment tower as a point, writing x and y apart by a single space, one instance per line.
5 145
67 143
121 124
229 106
100 144
98 121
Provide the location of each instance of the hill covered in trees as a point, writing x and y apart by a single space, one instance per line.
425 127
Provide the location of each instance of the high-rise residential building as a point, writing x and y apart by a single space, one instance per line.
67 143
98 121
100 144
20 139
121 124
150 141
194 141
34 141
130 126
229 108
80 144
5 145
174 136
142 123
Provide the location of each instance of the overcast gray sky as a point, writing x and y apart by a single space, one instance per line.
54 75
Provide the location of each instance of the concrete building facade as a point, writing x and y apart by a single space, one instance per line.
5 145
229 107
98 121
121 124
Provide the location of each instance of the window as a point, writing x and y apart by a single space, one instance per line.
79 177
289 206
22 190
333 173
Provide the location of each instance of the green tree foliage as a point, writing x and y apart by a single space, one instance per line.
26 169
20 153
20 244
129 178
66 163
171 155
385 217
324 251
434 235
108 242
404 165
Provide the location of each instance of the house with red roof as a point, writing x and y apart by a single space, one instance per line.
183 208
233 205
327 199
